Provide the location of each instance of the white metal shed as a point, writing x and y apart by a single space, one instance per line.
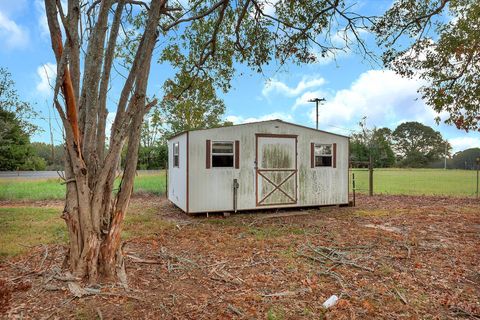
268 164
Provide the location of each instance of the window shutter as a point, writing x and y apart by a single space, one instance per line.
208 157
334 156
237 154
312 155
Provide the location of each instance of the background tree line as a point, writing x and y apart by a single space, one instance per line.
16 152
410 144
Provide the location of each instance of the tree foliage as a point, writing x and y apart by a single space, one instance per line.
246 32
411 144
152 153
15 128
14 142
54 156
417 145
466 159
437 41
374 142
11 102
191 103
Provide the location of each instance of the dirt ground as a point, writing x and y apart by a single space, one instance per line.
391 257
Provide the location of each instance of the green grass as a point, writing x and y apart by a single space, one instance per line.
417 181
143 222
275 313
46 189
24 227
16 189
151 183
386 181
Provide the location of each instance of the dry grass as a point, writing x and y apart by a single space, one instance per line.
416 257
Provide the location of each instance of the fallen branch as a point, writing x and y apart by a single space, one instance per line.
120 295
67 277
356 266
288 293
334 256
79 292
400 296
51 288
226 277
464 313
26 271
234 310
140 260
409 250
99 313
165 254
335 276
44 258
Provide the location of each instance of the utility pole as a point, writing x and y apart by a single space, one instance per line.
370 175
317 100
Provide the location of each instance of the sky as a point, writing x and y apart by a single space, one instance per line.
352 86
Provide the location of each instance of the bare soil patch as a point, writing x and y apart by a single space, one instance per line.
390 257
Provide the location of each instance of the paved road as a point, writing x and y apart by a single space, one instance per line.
47 174
28 174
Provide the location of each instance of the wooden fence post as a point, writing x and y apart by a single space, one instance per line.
370 176
166 179
353 188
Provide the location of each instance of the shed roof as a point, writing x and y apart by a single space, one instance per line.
250 123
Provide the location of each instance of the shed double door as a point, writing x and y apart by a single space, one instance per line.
276 169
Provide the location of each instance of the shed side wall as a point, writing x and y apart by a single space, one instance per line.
177 177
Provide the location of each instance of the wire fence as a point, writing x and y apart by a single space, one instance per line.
458 183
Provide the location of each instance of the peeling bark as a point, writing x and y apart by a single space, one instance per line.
93 215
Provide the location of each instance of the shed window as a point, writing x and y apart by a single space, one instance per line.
222 154
323 155
176 158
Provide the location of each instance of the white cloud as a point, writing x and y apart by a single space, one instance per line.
462 143
269 7
42 18
382 96
46 78
271 116
276 86
12 35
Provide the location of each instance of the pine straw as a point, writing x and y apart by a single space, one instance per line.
421 261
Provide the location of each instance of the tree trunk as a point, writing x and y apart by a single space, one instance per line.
93 212
95 244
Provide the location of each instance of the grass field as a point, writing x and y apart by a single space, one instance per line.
43 225
417 181
460 183
23 227
51 189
